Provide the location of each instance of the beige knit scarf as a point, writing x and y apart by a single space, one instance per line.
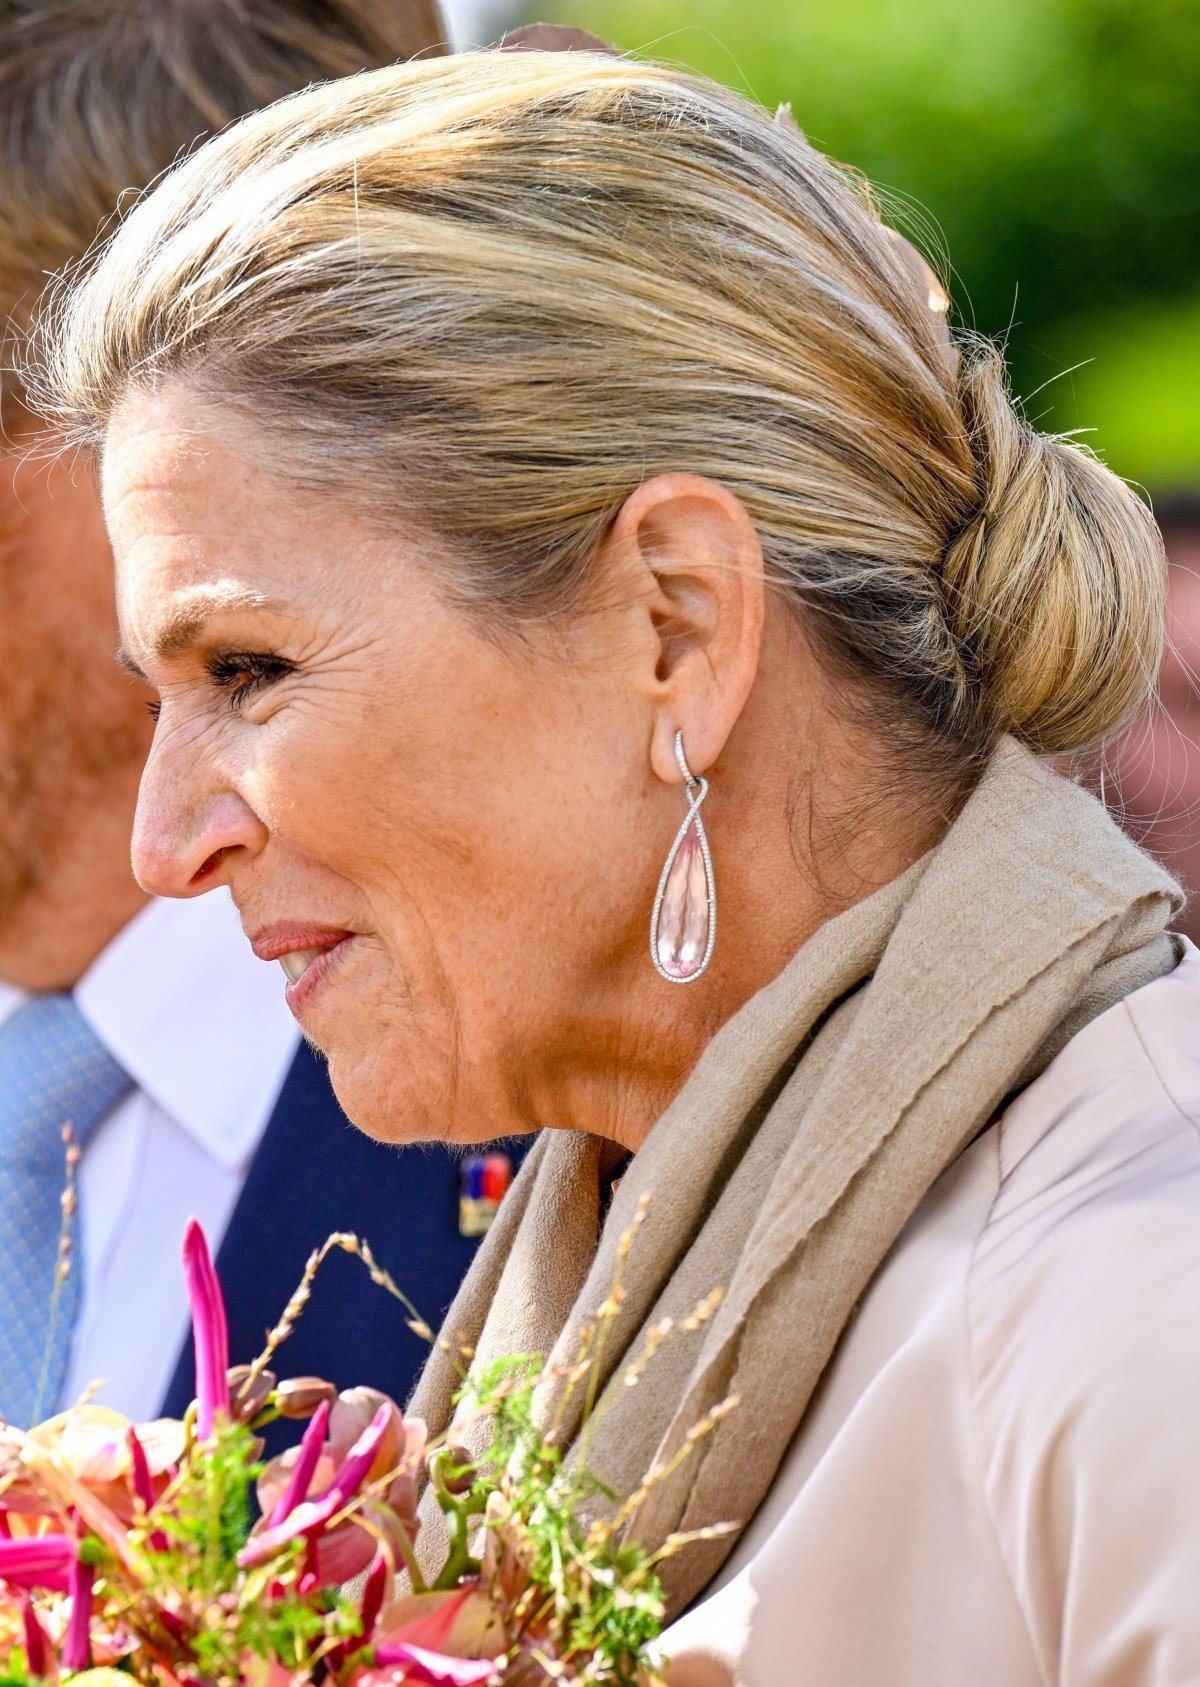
814 1123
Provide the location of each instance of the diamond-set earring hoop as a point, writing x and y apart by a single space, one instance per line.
683 922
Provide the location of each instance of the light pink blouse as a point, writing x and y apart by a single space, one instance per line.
998 1484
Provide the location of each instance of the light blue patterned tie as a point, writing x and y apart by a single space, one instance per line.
54 1071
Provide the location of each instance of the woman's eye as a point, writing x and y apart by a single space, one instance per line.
154 709
243 673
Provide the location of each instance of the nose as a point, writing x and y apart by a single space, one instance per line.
191 832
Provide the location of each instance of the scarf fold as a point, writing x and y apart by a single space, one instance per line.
813 1125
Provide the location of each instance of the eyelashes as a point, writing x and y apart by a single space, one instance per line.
241 674
244 673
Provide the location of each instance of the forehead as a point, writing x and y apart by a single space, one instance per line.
203 513
199 506
188 491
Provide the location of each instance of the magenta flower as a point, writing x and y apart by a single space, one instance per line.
37 1647
305 1467
38 1561
433 1668
210 1330
372 1596
370 1605
310 1516
301 1479
77 1647
438 1639
143 1484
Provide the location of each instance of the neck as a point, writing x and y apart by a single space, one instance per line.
780 876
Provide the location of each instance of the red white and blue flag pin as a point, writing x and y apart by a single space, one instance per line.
484 1182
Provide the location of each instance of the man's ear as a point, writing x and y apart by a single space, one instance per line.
702 566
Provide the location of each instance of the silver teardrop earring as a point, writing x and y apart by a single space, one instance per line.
683 923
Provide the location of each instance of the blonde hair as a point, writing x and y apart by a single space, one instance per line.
101 96
500 291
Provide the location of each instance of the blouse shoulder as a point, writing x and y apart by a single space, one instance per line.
1083 1304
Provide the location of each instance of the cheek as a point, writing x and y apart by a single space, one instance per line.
495 829
372 776
332 782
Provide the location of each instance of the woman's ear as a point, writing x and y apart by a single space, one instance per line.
701 562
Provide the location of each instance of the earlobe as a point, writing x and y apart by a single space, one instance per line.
703 562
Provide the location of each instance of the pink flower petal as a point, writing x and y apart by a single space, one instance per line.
372 1596
434 1668
304 1469
77 1647
38 1561
210 1330
306 1519
311 1516
464 1623
143 1484
352 1411
361 1456
37 1647
143 1487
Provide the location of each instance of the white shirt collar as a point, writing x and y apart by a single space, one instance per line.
197 1021
10 999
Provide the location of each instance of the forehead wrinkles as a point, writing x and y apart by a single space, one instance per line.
162 443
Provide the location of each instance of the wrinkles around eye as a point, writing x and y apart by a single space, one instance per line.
244 673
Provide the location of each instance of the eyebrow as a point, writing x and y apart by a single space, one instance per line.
180 630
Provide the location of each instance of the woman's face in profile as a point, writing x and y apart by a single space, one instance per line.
436 834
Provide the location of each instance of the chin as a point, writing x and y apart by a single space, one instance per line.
386 1112
401 1099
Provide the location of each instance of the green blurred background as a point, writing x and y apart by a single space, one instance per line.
1050 148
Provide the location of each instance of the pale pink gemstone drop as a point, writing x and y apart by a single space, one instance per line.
683 916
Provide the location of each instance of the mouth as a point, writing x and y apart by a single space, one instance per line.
307 954
297 962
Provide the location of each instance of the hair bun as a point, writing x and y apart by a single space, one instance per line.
1056 585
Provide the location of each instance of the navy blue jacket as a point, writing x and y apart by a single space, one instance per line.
315 1173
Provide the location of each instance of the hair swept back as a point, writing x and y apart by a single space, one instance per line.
500 291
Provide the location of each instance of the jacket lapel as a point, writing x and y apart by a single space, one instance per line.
315 1173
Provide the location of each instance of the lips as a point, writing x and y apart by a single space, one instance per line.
305 952
273 942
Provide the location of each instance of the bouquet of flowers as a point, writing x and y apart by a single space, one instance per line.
168 1553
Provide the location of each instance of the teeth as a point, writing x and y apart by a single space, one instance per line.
298 962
